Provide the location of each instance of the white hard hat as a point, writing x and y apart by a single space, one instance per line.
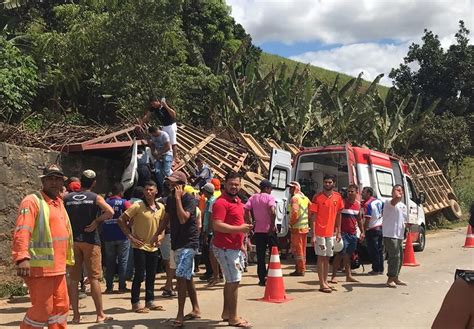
338 246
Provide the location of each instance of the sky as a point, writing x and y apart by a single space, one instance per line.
350 36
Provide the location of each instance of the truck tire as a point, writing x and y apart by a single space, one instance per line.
420 246
453 212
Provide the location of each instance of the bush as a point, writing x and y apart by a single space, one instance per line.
18 82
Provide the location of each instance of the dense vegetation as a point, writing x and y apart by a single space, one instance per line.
98 61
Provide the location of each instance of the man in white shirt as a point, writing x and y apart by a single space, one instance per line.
393 228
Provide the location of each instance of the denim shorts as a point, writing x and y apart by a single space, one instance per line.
184 259
231 262
350 243
165 247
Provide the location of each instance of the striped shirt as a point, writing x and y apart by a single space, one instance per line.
349 216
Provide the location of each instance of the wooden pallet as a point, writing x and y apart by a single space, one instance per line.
427 177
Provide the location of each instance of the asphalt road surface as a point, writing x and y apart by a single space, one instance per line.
369 304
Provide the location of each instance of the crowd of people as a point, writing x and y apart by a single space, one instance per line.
66 233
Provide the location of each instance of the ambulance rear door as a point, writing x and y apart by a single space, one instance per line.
280 174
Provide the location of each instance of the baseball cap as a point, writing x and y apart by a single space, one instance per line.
178 176
53 170
217 183
265 183
294 184
208 187
89 174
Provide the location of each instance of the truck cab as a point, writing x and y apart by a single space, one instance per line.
351 165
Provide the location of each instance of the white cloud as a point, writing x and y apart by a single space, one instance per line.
369 58
353 29
349 21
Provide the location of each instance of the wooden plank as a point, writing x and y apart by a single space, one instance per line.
254 146
292 148
270 143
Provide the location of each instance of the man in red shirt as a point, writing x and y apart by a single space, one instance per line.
229 230
325 212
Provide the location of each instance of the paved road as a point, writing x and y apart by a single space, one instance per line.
357 305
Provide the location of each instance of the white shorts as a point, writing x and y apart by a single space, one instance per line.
172 131
324 246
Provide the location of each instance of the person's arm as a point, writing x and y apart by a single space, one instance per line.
162 227
25 223
273 218
360 223
456 310
338 226
183 215
146 117
160 232
107 213
122 223
295 207
248 216
170 110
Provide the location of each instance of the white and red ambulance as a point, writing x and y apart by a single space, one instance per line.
350 165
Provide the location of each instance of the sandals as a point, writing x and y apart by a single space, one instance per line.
326 290
106 319
168 293
137 308
191 316
241 324
177 324
154 307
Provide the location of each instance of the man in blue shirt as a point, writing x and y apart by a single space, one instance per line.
116 243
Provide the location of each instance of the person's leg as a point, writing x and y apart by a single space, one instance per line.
75 275
41 296
151 261
296 251
123 250
304 241
130 264
182 288
231 293
93 262
350 245
372 249
191 288
400 262
205 258
380 251
184 259
215 266
160 178
261 246
139 267
167 165
110 264
392 259
58 319
336 263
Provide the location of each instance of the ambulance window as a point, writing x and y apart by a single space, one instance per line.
411 190
384 182
279 178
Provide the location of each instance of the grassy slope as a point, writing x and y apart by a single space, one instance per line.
464 184
268 60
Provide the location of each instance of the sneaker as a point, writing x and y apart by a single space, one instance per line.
168 293
124 290
205 277
262 283
108 291
296 274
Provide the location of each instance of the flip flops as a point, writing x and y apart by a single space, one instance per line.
106 319
191 316
177 324
241 324
326 290
154 307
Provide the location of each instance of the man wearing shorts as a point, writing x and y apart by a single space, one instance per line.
229 231
181 215
167 117
350 218
87 211
325 213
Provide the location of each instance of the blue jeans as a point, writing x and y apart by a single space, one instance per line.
162 170
374 239
116 257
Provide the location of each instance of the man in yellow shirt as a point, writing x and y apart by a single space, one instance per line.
143 220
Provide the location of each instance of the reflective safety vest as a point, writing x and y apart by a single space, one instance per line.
303 203
41 244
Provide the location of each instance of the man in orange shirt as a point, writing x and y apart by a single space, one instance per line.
42 247
325 212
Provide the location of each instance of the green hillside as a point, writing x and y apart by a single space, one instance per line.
268 60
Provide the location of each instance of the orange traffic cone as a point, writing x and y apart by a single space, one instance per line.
469 238
275 287
409 254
